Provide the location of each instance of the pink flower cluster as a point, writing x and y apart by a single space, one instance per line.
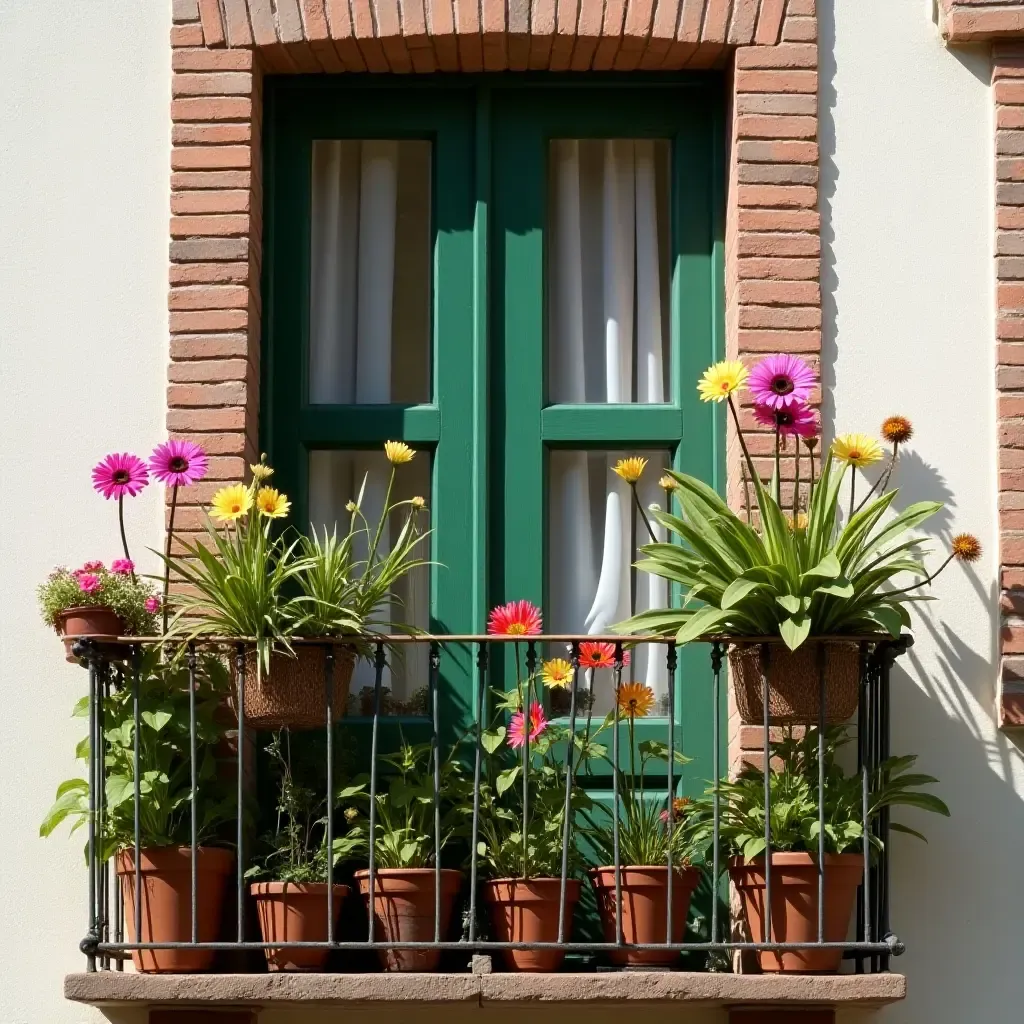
782 386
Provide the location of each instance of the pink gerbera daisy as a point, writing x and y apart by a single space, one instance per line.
797 419
119 474
781 380
88 582
517 730
517 618
178 463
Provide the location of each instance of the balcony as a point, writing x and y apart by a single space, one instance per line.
694 948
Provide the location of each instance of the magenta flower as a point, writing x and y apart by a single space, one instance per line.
798 419
122 566
780 381
517 730
178 463
119 474
94 566
88 582
152 605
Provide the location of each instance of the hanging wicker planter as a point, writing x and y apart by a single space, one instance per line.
293 693
794 682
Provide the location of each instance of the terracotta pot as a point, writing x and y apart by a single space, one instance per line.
295 912
645 909
293 693
794 684
403 908
526 910
795 906
87 620
167 903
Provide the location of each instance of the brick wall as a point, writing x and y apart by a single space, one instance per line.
972 21
221 49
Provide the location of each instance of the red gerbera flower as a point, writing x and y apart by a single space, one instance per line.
517 618
599 655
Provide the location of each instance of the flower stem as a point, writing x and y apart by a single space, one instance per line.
167 553
796 485
853 486
778 474
810 492
124 539
739 437
883 481
643 514
746 491
922 583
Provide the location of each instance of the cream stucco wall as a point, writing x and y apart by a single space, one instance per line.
84 158
907 204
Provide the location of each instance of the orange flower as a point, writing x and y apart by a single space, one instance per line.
599 655
635 700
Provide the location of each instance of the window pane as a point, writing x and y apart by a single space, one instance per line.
335 478
608 270
369 317
594 530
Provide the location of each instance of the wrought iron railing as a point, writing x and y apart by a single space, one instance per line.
113 666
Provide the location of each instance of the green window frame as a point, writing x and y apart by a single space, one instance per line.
487 426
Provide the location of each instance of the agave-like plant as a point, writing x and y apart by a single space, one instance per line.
788 579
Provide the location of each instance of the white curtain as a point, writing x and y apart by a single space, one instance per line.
354 213
606 284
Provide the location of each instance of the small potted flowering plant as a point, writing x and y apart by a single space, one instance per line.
805 570
649 828
522 824
405 898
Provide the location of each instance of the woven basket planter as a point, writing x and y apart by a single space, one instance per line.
293 693
793 679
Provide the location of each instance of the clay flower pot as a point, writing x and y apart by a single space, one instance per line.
645 909
295 912
526 910
167 903
794 683
795 906
292 694
91 620
403 909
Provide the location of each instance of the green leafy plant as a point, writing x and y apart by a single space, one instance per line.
241 581
164 760
794 800
93 585
404 833
295 850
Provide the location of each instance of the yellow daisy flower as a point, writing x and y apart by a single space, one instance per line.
666 483
260 470
418 502
231 503
635 700
398 452
721 380
799 522
857 449
272 503
557 672
630 469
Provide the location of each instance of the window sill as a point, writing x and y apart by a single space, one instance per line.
110 988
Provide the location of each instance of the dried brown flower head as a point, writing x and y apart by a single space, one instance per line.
897 429
966 547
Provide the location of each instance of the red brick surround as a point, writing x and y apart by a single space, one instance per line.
974 21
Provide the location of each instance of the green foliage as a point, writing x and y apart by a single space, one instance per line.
781 579
404 826
296 849
164 761
794 800
241 584
123 594
343 593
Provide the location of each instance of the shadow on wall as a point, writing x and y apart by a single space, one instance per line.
955 901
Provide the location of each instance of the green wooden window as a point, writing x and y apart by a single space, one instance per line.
482 410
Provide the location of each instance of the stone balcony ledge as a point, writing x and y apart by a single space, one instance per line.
111 988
